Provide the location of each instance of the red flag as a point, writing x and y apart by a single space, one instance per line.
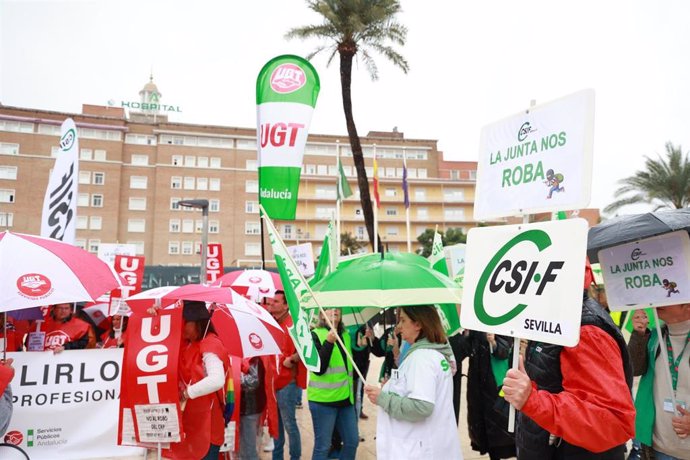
131 269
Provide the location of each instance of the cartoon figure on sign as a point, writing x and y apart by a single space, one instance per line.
554 181
670 286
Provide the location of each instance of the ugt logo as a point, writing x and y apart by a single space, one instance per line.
524 276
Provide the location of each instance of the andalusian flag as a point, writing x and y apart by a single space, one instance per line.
295 287
448 312
328 260
286 93
344 190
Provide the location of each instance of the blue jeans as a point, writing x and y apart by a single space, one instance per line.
661 456
325 418
249 430
287 400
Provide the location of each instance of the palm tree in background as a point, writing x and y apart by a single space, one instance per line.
664 182
356 28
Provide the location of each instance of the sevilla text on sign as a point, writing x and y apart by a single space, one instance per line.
538 160
526 280
650 272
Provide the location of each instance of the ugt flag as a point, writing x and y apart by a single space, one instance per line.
286 93
295 287
59 219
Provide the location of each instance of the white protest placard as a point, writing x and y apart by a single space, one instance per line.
649 272
526 280
455 258
537 160
108 251
157 422
303 255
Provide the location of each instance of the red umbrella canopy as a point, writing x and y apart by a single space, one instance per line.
38 271
253 284
167 295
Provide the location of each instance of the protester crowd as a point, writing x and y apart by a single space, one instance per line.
573 402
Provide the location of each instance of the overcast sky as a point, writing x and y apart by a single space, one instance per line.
471 63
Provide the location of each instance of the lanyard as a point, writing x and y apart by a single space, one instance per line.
673 364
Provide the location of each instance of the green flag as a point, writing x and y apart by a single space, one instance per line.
328 260
344 190
286 91
295 287
448 312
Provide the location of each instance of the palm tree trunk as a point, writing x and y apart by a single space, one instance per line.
357 156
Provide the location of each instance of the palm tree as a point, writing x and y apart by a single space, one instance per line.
356 28
664 182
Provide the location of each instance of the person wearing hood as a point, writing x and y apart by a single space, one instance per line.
416 417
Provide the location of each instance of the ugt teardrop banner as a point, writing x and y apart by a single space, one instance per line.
539 160
286 93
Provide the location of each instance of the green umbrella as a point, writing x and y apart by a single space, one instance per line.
373 281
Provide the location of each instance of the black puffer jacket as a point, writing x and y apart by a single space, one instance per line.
487 413
543 365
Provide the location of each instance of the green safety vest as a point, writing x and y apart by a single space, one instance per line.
644 401
336 383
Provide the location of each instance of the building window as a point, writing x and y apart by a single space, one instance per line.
190 161
252 249
251 207
199 226
454 174
215 162
360 232
82 222
391 211
202 162
97 200
420 194
9 149
251 186
188 226
140 160
189 183
85 154
251 165
83 199
392 230
422 213
326 191
213 226
136 225
80 243
8 172
16 126
6 196
287 231
99 155
202 183
54 150
6 219
252 228
140 139
473 174
309 169
173 247
138 247
187 248
176 182
421 173
95 222
174 226
453 194
138 182
98 178
454 214
94 245
84 177
174 204
390 192
214 184
177 160
322 170
325 212
137 204
214 205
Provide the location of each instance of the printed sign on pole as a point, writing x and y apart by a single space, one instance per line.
303 255
650 272
538 160
214 262
526 280
131 269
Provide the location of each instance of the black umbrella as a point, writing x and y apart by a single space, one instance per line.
626 229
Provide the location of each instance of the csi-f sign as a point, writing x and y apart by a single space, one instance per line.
526 280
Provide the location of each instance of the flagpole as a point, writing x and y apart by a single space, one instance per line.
376 205
339 196
407 201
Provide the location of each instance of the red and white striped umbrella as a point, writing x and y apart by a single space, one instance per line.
253 284
38 271
247 329
171 294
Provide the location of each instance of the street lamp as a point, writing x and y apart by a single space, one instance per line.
203 205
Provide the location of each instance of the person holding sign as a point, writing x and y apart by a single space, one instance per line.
658 424
416 417
204 363
575 402
330 391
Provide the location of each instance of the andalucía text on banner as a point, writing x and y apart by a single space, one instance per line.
344 190
447 312
328 260
286 93
59 218
295 287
